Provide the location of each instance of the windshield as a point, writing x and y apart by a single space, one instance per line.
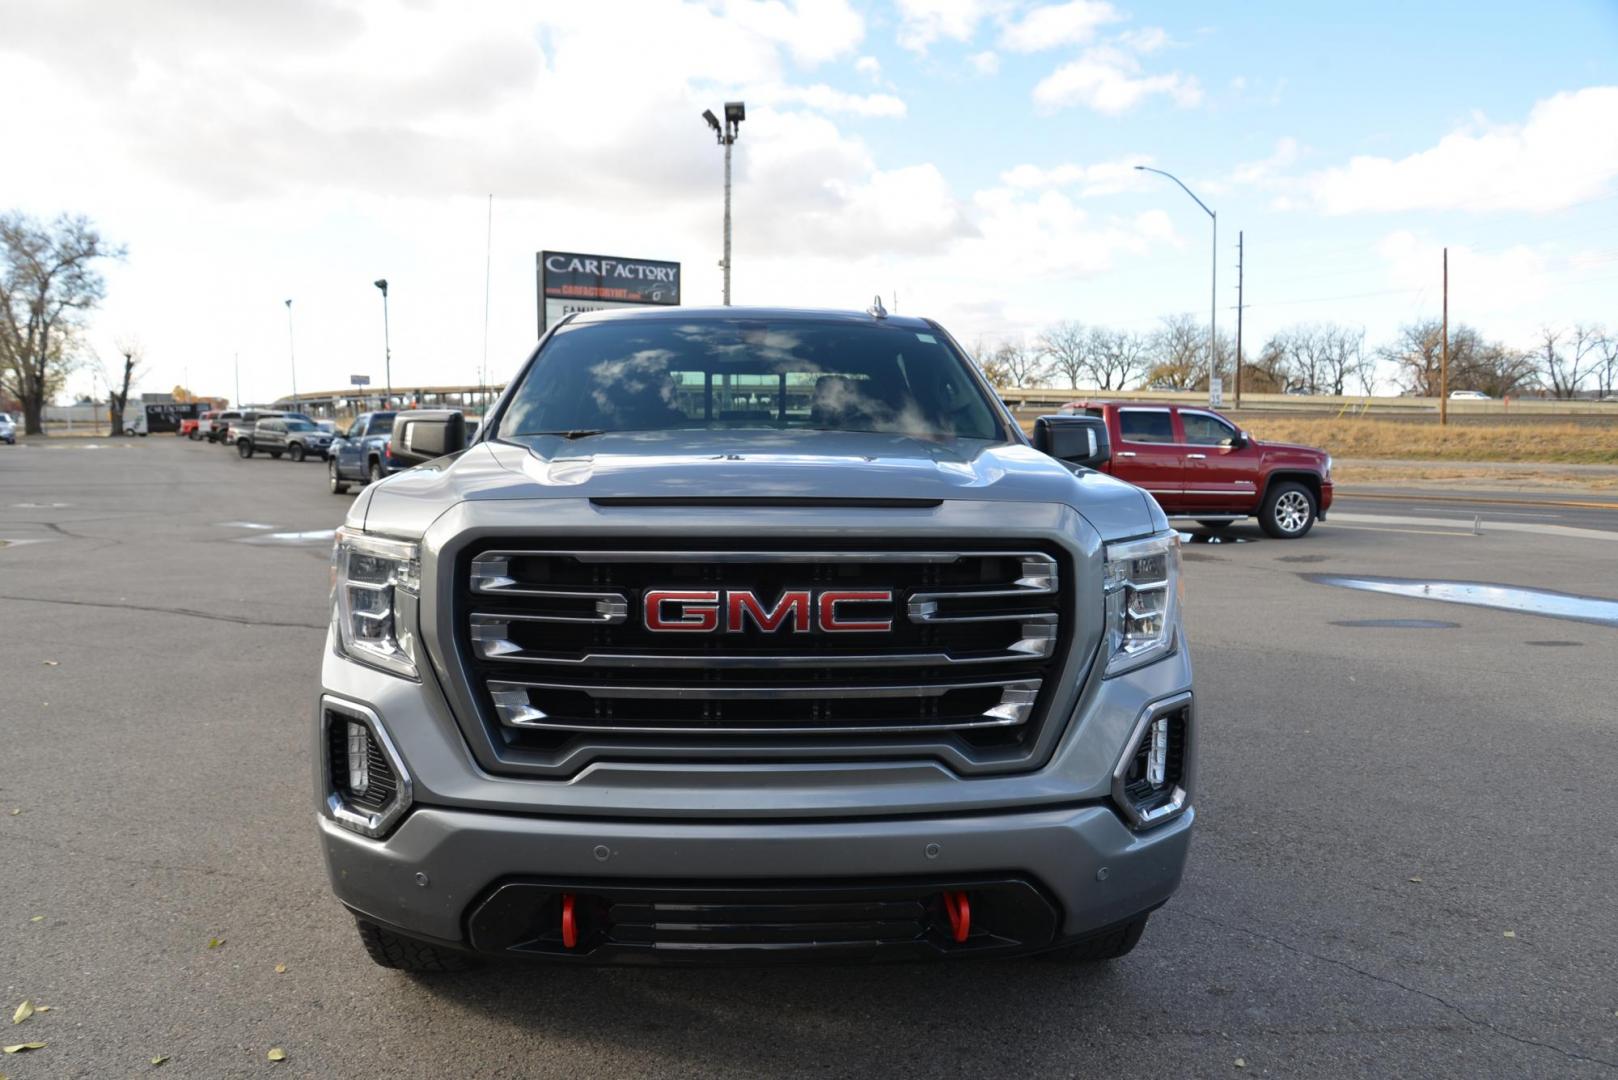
716 373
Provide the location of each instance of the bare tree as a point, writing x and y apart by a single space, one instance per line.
48 284
1022 365
1609 362
118 400
1116 357
1415 355
1564 357
1179 352
1064 347
993 370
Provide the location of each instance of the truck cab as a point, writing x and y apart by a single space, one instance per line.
1198 464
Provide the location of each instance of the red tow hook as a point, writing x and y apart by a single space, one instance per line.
570 929
959 910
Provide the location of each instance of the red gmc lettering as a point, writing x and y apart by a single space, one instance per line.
699 615
697 611
831 622
794 602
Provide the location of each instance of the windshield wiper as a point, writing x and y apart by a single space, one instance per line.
573 433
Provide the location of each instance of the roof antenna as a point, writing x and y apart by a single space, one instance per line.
876 310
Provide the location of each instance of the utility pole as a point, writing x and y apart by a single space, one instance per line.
1238 318
292 356
236 366
735 113
1443 363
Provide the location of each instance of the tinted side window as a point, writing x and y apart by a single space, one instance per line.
1146 425
1202 429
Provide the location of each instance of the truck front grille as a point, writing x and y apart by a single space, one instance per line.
810 652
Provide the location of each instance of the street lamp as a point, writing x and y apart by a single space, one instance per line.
292 360
735 113
387 347
1213 305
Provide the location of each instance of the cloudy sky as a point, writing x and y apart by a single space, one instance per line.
972 156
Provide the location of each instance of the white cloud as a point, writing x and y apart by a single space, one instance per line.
1565 153
1270 170
985 63
1050 235
1108 80
826 99
1146 39
1055 25
1502 290
870 67
814 30
922 22
1101 178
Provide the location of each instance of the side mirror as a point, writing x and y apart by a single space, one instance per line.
425 434
1078 439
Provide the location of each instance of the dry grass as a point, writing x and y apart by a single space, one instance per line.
1534 478
1370 438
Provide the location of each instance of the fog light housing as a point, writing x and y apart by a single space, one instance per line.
1152 778
367 788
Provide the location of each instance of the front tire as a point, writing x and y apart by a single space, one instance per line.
389 950
244 448
339 486
1288 512
296 451
375 471
1117 942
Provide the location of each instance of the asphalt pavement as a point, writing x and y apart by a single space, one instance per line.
1404 866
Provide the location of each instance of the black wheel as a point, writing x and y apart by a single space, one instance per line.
1215 526
296 450
375 470
276 454
389 950
1119 941
339 486
244 448
1289 511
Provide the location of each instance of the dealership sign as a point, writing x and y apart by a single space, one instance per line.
570 282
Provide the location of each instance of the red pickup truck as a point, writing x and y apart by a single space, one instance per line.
1199 465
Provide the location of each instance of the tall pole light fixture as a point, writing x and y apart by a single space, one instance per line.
387 346
735 113
292 359
1213 303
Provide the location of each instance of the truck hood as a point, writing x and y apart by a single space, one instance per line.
833 465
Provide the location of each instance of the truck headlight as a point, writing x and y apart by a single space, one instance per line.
375 583
1142 596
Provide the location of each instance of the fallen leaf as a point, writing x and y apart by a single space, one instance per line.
215 942
24 1011
1415 881
1241 1063
50 663
276 1054
22 1048
280 969
37 918
15 810
159 1059
1511 933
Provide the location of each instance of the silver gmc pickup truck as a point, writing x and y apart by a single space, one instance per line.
753 634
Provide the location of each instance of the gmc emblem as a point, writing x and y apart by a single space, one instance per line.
701 611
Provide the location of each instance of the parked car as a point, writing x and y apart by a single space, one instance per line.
244 423
196 427
1469 395
1198 464
8 429
219 424
360 455
279 435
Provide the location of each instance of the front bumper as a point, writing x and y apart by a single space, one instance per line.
442 867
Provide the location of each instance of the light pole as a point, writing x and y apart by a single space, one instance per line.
387 347
292 358
1213 304
735 113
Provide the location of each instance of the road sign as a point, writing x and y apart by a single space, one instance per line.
359 380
